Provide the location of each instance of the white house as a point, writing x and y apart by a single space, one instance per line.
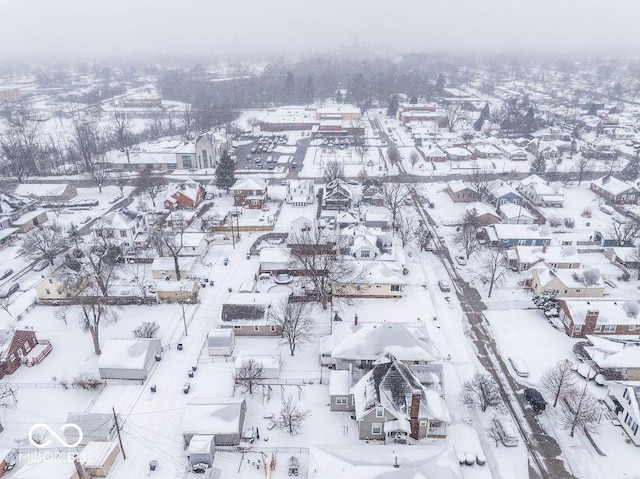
220 342
122 226
516 215
541 192
193 244
300 192
624 399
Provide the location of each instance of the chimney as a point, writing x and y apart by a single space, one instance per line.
414 413
355 320
590 320
544 249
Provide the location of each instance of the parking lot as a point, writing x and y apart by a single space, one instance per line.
262 154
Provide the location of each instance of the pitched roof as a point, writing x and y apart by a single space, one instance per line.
612 185
249 183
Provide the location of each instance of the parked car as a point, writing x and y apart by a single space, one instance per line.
506 430
444 285
115 199
607 209
519 367
40 265
294 165
461 260
12 289
535 399
6 274
87 219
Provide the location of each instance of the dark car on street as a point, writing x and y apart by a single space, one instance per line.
535 399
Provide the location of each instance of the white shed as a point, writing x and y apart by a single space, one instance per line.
201 449
220 342
274 259
128 358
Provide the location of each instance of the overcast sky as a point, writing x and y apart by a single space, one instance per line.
93 29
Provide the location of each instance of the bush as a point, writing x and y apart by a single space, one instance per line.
148 329
569 222
86 381
586 213
555 221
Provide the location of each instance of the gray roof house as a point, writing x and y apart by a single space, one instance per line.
248 314
392 405
128 358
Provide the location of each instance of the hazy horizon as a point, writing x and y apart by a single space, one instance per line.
89 29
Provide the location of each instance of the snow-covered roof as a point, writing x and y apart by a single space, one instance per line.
127 353
571 278
612 185
190 239
274 255
482 209
379 273
511 211
174 286
189 188
458 185
550 254
166 263
532 179
95 454
339 382
212 416
200 444
614 352
41 189
610 311
46 469
267 362
369 461
116 220
503 189
370 341
505 231
220 338
250 183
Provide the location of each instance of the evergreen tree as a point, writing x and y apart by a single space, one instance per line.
529 121
339 96
413 100
484 116
225 172
392 109
439 87
289 84
593 110
309 90
631 171
538 167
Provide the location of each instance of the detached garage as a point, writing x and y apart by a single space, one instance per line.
128 358
220 342
99 457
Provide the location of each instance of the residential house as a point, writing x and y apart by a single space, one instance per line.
546 150
599 147
121 226
30 220
372 195
13 207
164 267
516 215
507 236
551 134
222 418
624 397
487 151
20 346
462 192
615 357
300 192
184 195
432 153
274 260
345 219
572 283
541 192
486 215
61 283
47 191
608 238
337 196
626 257
193 244
596 316
377 280
361 344
522 258
458 153
513 151
248 314
615 191
176 290
503 194
250 192
376 217
391 405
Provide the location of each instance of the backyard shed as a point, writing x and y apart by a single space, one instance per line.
99 457
95 427
201 449
128 358
220 342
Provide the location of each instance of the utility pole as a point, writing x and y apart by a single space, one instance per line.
115 418
233 238
184 320
78 466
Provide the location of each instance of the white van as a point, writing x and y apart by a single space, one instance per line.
519 367
506 430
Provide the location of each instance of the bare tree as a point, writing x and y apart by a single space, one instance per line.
407 230
87 381
393 197
172 240
290 417
467 235
558 380
394 155
333 170
362 175
121 134
480 180
454 115
315 254
4 304
20 144
151 185
253 123
482 392
92 315
249 375
86 140
582 166
148 329
493 268
359 141
494 432
625 232
120 178
414 158
45 241
294 321
581 410
635 257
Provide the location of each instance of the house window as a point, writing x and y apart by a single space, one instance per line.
624 197
598 328
577 328
566 291
632 197
27 347
237 327
47 291
12 357
577 290
186 161
123 234
376 428
365 253
423 423
256 328
395 287
379 412
632 327
342 401
610 328
272 328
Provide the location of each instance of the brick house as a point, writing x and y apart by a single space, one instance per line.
461 192
184 195
596 316
18 347
249 192
615 191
